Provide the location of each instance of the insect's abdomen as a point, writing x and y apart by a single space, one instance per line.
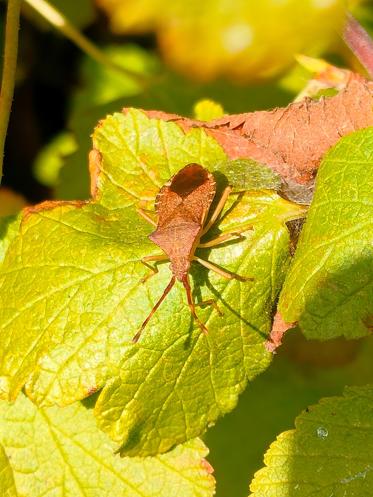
177 241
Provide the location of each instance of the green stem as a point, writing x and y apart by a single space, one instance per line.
9 71
56 19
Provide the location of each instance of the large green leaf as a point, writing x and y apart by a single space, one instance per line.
7 486
329 288
71 295
60 452
330 453
196 377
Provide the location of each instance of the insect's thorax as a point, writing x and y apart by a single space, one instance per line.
178 239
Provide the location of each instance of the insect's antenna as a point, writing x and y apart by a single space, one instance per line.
192 307
165 292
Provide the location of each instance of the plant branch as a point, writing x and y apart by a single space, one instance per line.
359 42
9 71
57 19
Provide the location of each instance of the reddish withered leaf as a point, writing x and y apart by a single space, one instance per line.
291 140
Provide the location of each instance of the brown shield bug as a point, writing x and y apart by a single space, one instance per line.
182 205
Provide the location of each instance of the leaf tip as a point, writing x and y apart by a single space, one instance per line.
207 466
279 328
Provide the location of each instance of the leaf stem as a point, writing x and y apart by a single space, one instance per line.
9 71
360 43
59 21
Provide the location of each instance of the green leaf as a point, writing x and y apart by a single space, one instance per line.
176 382
302 372
7 486
215 368
82 299
50 159
328 454
10 204
101 85
60 452
248 174
140 155
329 288
9 226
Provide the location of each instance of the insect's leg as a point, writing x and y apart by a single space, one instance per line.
154 269
191 304
144 214
220 239
211 302
165 292
224 237
222 272
217 210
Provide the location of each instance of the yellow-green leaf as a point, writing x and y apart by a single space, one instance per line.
60 452
7 485
329 287
330 452
68 328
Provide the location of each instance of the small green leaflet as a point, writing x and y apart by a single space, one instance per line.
248 174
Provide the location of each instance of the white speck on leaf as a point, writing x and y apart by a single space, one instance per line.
360 474
322 432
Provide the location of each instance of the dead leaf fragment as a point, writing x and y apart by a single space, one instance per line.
291 140
279 328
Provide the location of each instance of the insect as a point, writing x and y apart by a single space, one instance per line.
182 205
